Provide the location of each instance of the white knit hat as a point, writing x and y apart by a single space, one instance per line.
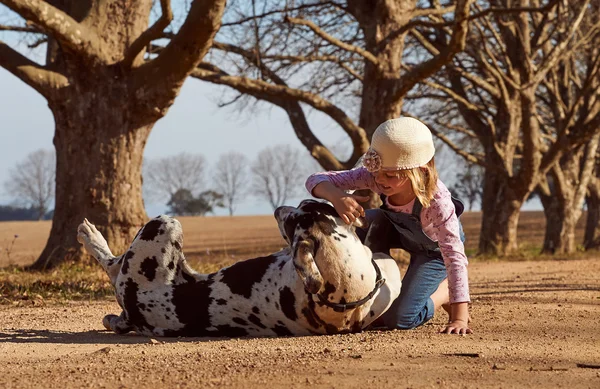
398 144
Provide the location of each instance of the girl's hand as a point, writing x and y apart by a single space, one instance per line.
348 207
460 327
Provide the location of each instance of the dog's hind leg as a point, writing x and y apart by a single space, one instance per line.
117 324
96 246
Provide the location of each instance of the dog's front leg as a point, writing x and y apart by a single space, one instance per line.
96 246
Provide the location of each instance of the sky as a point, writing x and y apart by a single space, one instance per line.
194 124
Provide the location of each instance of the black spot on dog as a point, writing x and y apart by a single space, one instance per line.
191 301
168 309
241 276
371 313
255 310
329 289
310 318
288 303
331 329
336 238
171 265
166 294
221 301
256 321
267 299
362 277
163 250
125 267
345 291
227 330
281 330
282 264
277 306
142 306
240 321
130 302
151 230
177 245
167 317
342 235
148 268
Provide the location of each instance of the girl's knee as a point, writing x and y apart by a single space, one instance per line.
408 318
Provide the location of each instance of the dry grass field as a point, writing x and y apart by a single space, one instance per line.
218 240
536 323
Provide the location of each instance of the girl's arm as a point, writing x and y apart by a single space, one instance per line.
441 214
331 186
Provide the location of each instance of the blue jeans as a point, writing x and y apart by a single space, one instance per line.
414 306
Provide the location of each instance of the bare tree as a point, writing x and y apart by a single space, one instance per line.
105 95
32 181
469 185
163 177
591 238
346 59
278 174
231 178
492 94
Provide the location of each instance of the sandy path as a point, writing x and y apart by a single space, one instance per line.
534 322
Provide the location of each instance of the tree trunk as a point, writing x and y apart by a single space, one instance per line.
591 239
501 207
379 20
99 152
564 195
561 220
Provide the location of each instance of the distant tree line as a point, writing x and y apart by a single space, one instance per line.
276 175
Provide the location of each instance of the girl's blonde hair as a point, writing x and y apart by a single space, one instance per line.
423 181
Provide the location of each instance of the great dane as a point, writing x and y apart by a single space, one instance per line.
325 282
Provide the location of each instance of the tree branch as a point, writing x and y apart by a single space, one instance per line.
280 95
334 41
152 33
456 44
57 23
165 74
18 28
31 73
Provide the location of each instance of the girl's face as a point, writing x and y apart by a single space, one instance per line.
392 182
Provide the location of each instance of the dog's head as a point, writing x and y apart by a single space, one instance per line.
311 228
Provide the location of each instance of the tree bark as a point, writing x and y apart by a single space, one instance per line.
99 153
563 197
105 100
501 207
591 239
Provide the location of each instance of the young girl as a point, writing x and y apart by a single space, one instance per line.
418 214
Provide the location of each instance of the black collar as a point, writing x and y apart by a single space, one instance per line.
379 281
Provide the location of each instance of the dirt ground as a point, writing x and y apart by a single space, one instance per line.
537 325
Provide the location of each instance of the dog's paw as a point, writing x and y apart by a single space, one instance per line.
89 236
106 321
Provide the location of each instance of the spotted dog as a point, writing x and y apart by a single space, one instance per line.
325 282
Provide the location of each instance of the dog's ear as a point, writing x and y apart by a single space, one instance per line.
286 221
305 265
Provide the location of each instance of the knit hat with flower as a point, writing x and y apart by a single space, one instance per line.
399 144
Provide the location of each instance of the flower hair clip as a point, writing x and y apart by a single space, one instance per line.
372 161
